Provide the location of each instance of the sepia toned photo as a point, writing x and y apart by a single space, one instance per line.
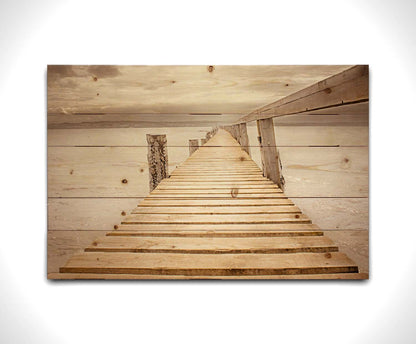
208 172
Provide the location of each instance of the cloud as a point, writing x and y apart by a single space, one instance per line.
57 72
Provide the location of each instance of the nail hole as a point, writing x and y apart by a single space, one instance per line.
95 78
123 213
328 255
297 216
71 172
211 69
124 181
115 227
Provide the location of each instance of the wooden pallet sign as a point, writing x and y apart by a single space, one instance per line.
216 217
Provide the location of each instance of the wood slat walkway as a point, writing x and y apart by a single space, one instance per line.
215 217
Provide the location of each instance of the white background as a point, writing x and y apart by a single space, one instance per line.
36 33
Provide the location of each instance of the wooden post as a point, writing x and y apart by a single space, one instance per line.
237 133
157 157
203 141
233 132
193 146
269 154
244 137
236 129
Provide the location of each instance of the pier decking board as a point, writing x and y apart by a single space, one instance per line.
216 216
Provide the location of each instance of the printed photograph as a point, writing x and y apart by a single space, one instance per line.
245 172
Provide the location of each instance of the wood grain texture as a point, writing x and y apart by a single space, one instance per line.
215 218
175 89
193 146
214 228
217 210
286 135
323 171
221 238
270 160
356 114
315 135
64 244
134 120
336 213
355 244
88 213
108 137
213 245
85 276
244 141
210 264
347 115
349 86
99 171
157 158
232 202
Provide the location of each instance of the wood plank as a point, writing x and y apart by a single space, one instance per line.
215 219
88 213
231 202
323 135
349 86
177 231
324 171
210 264
218 191
176 89
201 185
62 245
225 167
133 121
343 116
355 244
131 137
213 245
214 176
217 210
85 276
100 171
215 231
336 213
174 183
221 196
215 228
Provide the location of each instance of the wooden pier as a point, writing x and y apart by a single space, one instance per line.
215 217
